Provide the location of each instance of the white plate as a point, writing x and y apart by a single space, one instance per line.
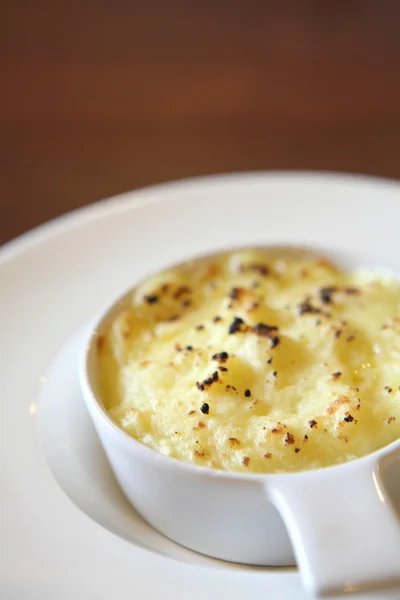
53 280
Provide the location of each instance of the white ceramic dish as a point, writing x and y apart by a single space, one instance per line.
237 517
53 280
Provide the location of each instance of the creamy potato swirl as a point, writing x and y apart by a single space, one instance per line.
249 361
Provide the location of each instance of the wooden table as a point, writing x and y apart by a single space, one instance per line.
99 97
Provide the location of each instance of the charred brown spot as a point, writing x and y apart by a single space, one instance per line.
336 403
348 419
388 389
221 357
391 420
279 428
259 268
336 375
306 307
151 298
181 291
222 369
237 325
264 330
191 412
199 327
306 437
274 341
289 438
251 307
268 455
199 454
201 425
297 450
351 291
234 441
206 383
269 331
230 387
236 293
100 343
312 423
245 461
173 318
217 319
326 294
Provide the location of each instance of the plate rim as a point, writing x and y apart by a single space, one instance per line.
130 200
153 193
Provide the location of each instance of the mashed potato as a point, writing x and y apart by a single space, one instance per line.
247 361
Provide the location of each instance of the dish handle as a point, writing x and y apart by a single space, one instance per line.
344 532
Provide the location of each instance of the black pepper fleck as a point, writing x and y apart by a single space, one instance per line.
312 423
247 393
205 409
348 419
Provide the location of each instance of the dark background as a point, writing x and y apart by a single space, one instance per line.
99 97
